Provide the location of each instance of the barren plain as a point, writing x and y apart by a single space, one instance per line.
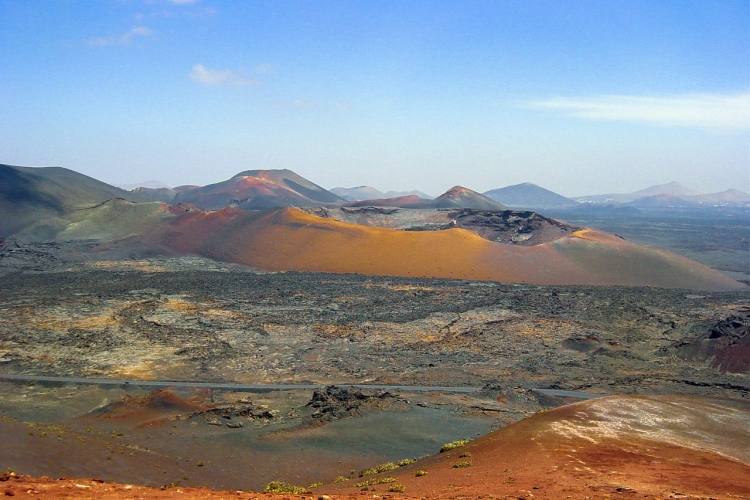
194 320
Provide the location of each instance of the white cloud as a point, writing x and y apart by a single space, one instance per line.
122 39
728 111
204 76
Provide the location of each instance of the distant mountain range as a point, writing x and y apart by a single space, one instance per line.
662 196
272 188
151 184
248 219
728 196
671 194
360 193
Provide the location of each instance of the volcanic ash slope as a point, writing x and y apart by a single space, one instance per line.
290 239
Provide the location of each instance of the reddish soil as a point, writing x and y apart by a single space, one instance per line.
617 447
607 448
151 409
23 486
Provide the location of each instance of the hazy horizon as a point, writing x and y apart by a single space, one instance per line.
578 97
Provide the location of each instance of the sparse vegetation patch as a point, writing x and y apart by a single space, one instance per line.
406 461
282 487
374 480
378 469
453 445
463 464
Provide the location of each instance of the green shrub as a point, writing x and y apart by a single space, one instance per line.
378 469
315 484
397 488
341 479
420 473
406 461
465 454
453 445
281 487
374 480
462 464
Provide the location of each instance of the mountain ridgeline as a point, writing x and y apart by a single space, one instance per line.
277 220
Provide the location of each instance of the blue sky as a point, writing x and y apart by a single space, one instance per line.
580 97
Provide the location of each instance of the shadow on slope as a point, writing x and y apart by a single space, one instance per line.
31 195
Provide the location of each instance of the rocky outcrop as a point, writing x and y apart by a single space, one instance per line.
334 403
726 345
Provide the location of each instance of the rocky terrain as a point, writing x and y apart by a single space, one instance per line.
506 226
130 319
195 320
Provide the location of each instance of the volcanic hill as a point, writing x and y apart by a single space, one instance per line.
358 193
31 194
290 239
530 196
455 197
728 196
259 190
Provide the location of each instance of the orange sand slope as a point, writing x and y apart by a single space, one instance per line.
613 447
289 239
